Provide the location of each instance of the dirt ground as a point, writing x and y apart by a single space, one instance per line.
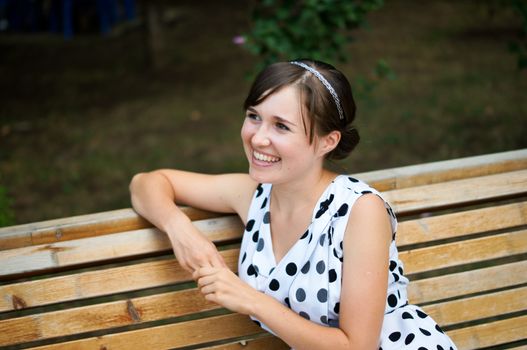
78 118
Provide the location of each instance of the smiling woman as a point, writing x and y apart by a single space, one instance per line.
318 264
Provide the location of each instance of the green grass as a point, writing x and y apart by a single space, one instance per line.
79 118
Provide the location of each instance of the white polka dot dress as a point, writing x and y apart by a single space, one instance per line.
308 278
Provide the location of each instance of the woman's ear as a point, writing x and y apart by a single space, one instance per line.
328 142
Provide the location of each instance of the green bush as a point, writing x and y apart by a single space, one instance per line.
6 215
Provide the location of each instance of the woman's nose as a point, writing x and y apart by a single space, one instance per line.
261 137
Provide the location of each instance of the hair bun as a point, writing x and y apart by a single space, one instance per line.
349 138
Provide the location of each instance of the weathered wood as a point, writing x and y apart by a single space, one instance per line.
443 171
168 336
458 192
464 252
467 282
262 343
81 226
461 224
489 334
106 248
103 316
478 307
98 283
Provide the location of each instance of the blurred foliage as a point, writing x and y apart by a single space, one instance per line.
6 215
520 47
317 29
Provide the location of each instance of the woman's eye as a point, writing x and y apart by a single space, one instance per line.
253 116
282 126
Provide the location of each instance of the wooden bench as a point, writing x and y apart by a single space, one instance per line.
109 281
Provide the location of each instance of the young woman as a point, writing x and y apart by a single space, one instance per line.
318 264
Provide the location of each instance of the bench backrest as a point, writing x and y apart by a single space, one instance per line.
109 280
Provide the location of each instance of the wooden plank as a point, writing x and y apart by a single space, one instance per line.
106 248
478 307
459 192
98 283
76 227
442 171
168 336
81 226
467 282
262 343
103 316
461 223
489 334
464 252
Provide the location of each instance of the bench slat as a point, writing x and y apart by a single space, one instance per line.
461 224
466 191
478 307
82 226
108 248
168 336
98 283
443 171
489 334
464 252
467 282
103 316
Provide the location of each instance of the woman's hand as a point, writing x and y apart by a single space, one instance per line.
223 287
193 249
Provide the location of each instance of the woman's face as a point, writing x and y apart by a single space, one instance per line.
275 140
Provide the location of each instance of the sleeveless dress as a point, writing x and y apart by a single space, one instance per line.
308 278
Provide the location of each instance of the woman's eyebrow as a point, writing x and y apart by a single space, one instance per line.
276 117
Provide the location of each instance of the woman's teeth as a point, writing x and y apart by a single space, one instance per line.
265 158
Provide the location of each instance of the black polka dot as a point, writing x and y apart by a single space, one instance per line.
322 239
287 302
425 332
256 269
332 275
422 348
274 285
305 234
341 245
401 272
260 245
393 265
264 203
407 315
256 235
324 319
421 314
335 254
271 270
310 238
322 295
251 271
244 257
439 347
395 336
409 339
439 329
395 277
257 323
336 309
343 210
324 206
305 268
249 225
304 315
259 189
366 192
392 300
300 295
352 179
290 269
321 266
267 218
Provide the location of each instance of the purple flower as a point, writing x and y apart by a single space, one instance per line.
238 40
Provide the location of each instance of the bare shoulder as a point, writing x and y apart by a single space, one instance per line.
369 219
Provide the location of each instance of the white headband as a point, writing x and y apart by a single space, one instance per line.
325 83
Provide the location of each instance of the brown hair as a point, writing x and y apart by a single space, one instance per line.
320 107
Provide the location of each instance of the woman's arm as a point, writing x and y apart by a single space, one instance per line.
363 295
154 197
